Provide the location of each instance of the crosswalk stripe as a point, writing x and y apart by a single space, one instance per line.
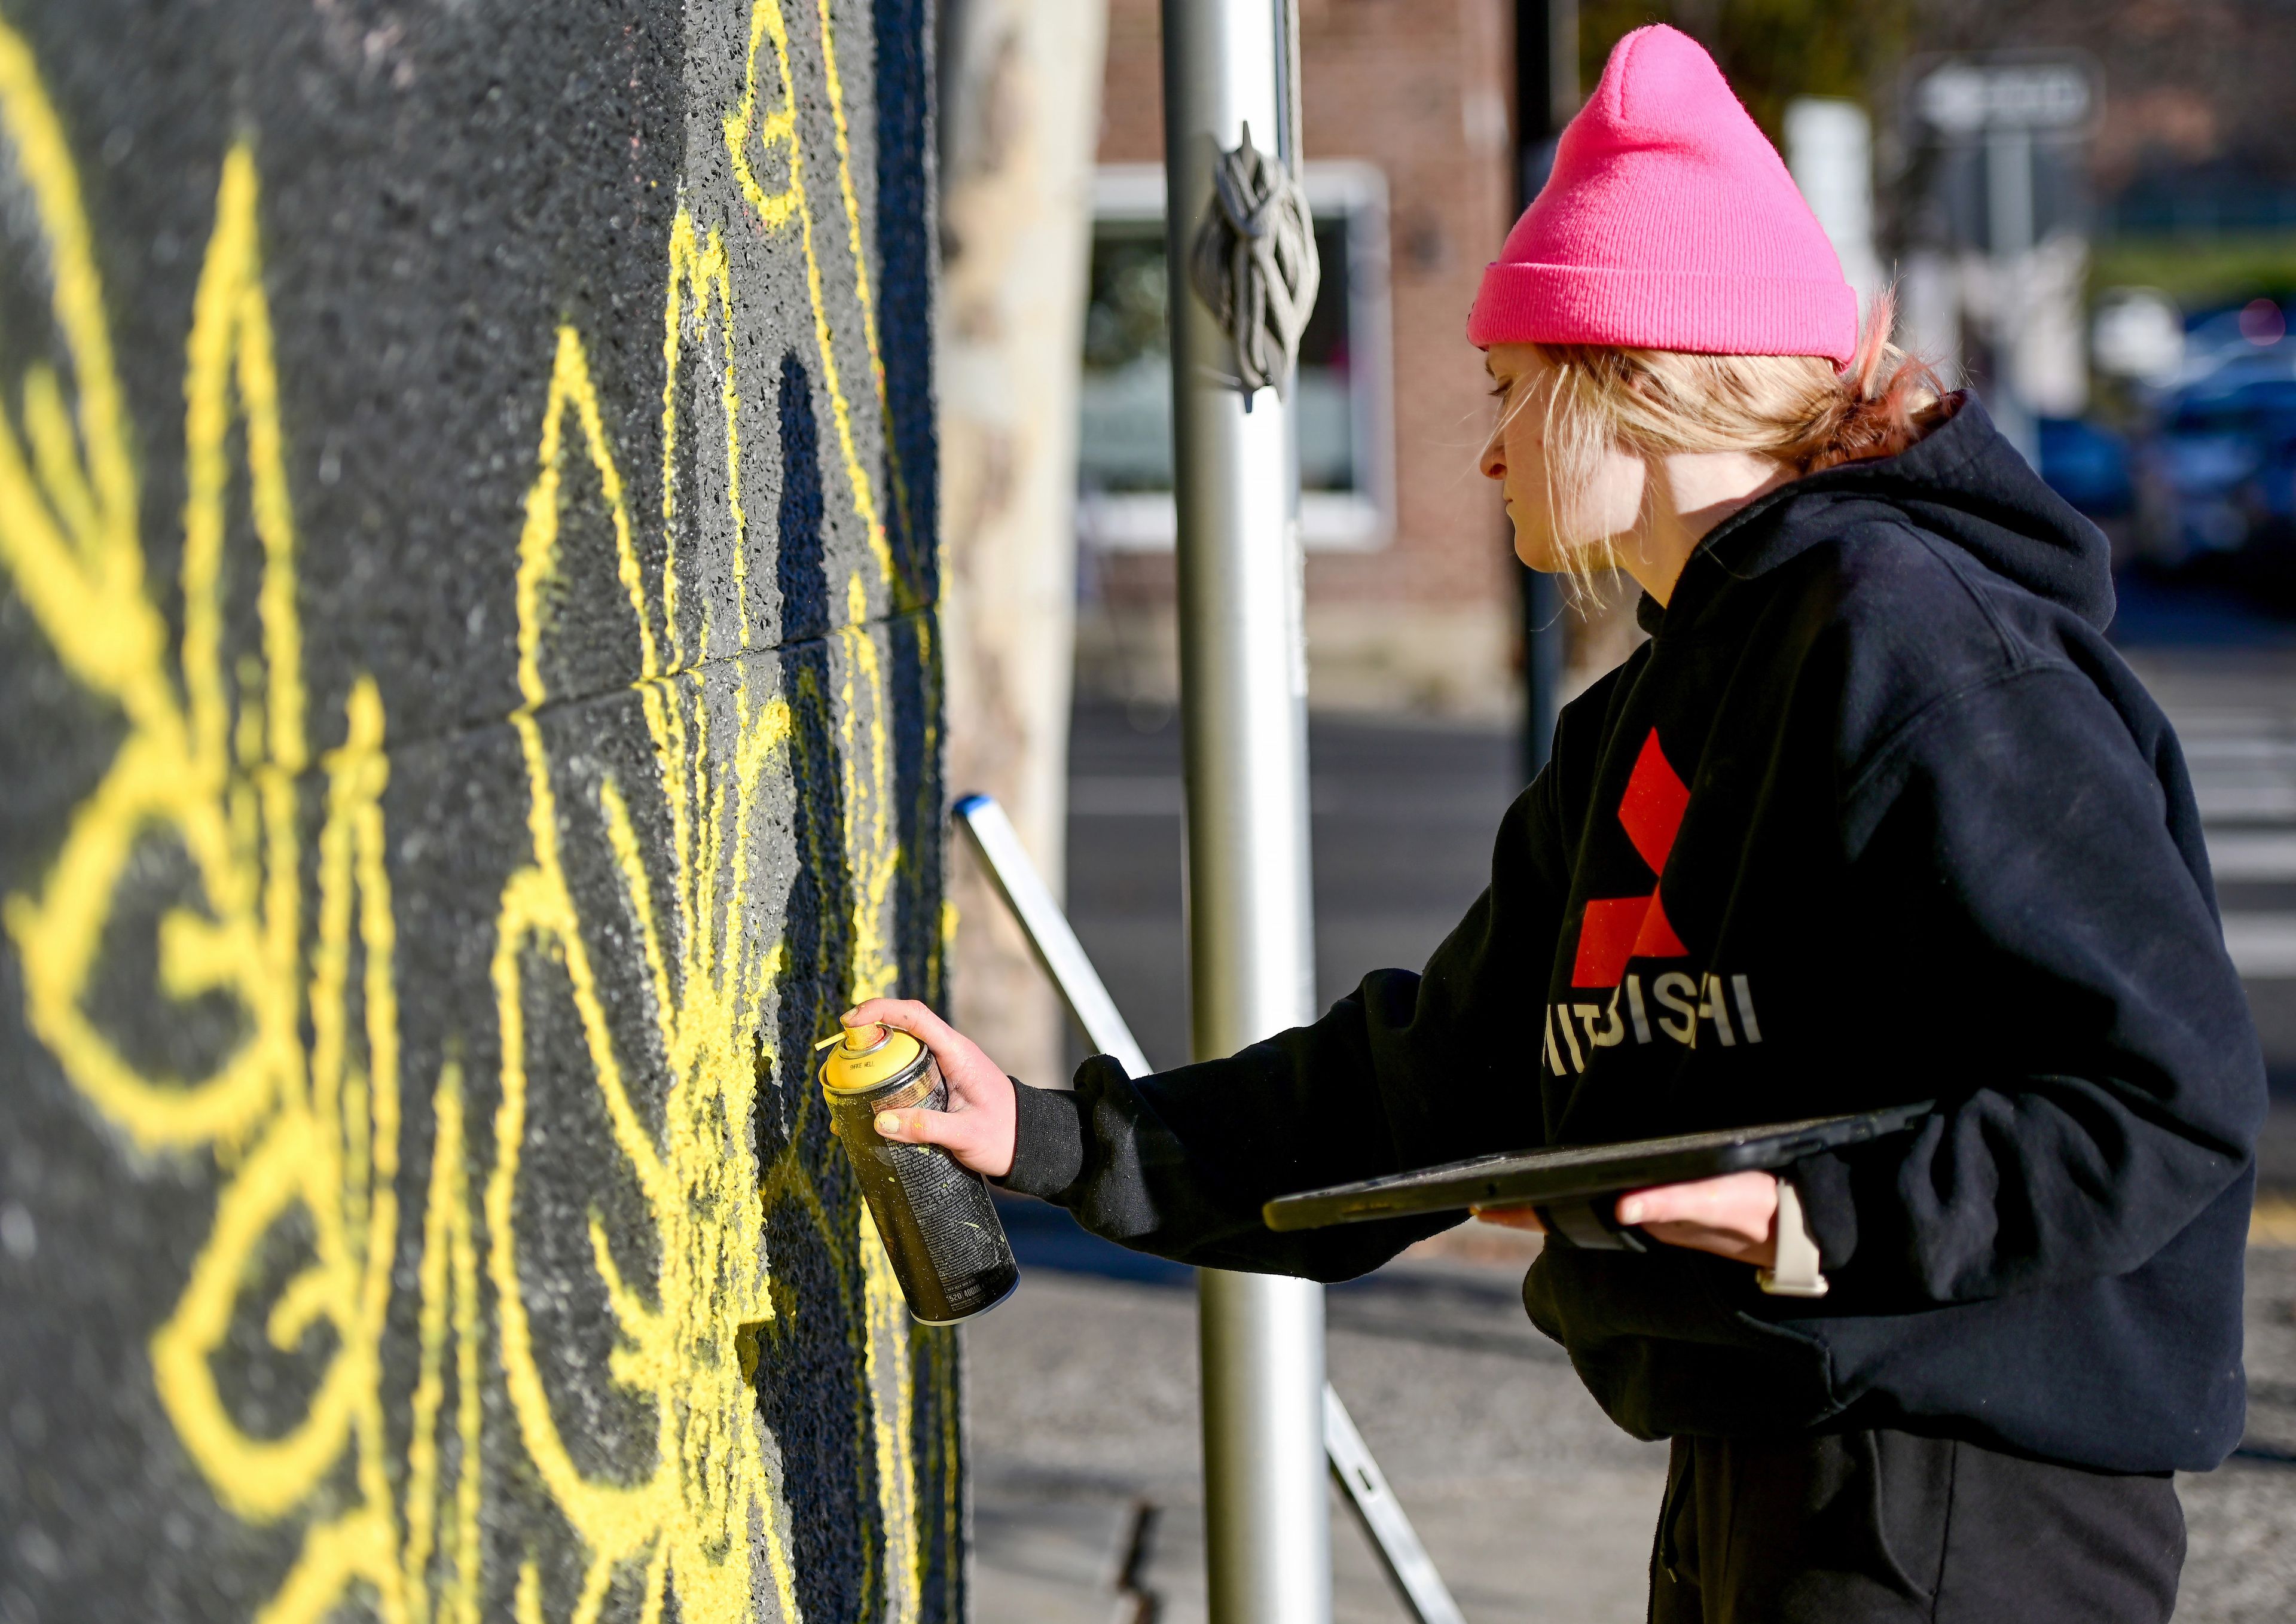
2252 854
2263 946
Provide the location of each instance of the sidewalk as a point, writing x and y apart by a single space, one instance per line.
1537 1510
1084 1405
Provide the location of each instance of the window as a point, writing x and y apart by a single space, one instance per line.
1343 420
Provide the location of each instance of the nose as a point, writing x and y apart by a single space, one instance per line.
1492 459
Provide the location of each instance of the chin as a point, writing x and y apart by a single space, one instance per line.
1536 552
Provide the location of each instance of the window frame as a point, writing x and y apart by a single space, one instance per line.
1362 520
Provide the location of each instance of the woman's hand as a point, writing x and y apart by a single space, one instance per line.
1733 1217
978 1126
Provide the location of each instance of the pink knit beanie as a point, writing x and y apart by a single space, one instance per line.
1670 223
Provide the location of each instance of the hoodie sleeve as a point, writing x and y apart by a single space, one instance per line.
1409 1071
2042 881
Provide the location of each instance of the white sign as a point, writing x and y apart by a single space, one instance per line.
1830 151
1968 98
2138 333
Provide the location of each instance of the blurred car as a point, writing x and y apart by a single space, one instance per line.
2215 470
2252 332
2270 554
2086 464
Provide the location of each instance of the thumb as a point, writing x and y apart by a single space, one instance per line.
955 1132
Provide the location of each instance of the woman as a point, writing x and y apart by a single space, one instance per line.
1876 816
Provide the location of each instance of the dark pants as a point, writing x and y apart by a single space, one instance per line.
1887 1528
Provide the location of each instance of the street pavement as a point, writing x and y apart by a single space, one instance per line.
2234 711
1535 1508
1082 1388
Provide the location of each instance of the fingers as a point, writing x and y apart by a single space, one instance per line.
1731 1217
958 1055
1743 1203
1671 1204
981 1140
969 1071
917 1126
1511 1217
978 1127
904 1015
1722 1242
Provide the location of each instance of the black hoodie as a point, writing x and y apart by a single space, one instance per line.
1875 816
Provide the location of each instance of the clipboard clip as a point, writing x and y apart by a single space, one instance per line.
1590 1224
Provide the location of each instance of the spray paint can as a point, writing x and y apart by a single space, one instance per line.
933 1214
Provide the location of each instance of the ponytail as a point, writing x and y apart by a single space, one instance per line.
1883 402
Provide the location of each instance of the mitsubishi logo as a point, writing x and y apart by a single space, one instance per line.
1617 928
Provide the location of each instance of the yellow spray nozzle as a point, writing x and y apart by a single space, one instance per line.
867 1055
850 1035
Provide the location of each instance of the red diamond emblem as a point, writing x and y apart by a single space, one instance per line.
1652 807
1617 928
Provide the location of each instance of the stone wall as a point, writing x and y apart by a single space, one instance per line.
472 721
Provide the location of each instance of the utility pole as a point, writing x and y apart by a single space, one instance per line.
1228 64
1547 94
2009 232
2006 106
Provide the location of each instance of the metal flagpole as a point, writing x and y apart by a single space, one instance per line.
1243 709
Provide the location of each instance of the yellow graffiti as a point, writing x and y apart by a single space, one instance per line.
777 134
689 1523
702 271
863 298
686 1529
303 1110
688 1526
284 919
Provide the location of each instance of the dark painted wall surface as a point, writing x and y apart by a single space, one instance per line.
470 721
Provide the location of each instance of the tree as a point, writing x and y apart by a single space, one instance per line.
1021 85
1771 50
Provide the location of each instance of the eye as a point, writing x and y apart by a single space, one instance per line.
1499 390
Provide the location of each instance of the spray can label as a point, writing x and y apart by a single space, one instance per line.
939 1229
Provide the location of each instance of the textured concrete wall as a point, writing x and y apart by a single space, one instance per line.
470 721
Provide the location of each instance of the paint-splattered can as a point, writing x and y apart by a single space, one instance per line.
940 1230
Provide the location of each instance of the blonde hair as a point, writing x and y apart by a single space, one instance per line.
1798 410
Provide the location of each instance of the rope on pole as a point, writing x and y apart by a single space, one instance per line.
1254 263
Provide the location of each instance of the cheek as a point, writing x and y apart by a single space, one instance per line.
1526 458
1526 476
1613 499
1530 501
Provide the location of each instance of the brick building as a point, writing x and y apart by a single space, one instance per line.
1412 588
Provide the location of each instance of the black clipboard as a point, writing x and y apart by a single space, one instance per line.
1568 1186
